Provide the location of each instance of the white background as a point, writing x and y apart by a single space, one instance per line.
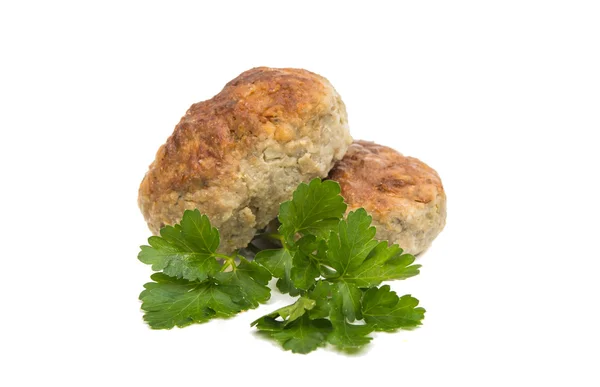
502 98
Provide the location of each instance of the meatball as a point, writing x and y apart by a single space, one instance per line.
404 196
237 156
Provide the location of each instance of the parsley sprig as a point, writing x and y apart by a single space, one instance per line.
334 266
197 283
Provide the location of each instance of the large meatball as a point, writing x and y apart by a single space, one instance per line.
404 196
237 156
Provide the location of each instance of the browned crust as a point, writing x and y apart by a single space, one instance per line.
379 179
207 144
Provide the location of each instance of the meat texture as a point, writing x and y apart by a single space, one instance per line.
237 156
404 196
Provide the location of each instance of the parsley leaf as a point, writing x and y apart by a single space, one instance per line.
296 331
302 335
383 309
279 263
321 293
348 296
304 265
291 312
357 258
251 279
315 209
383 263
170 302
186 250
346 336
353 242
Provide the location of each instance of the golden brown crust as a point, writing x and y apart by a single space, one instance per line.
380 179
215 134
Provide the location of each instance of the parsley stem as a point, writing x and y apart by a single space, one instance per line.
229 261
273 235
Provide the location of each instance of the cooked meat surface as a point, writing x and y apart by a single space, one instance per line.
404 196
237 156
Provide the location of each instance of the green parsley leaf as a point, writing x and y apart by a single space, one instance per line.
302 335
251 279
170 302
345 336
291 312
383 263
305 267
304 271
314 209
383 309
322 229
322 294
279 263
352 244
294 327
348 296
357 258
186 250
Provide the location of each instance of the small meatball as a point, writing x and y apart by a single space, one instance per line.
237 156
404 196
